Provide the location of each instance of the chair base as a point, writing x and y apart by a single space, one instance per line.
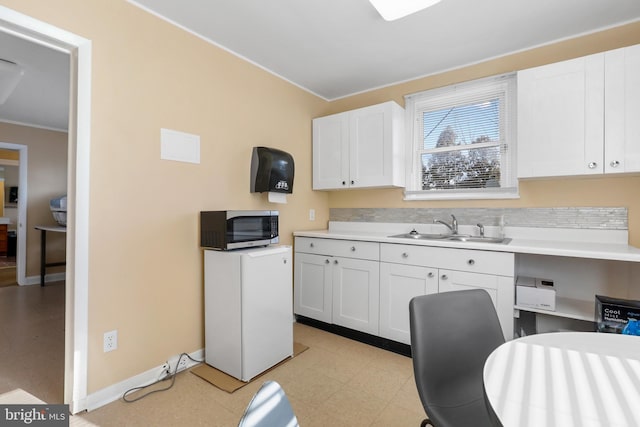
426 422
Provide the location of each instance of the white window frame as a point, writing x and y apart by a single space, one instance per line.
448 95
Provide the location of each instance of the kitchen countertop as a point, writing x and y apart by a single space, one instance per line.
595 244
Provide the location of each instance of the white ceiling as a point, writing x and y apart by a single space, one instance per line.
335 48
332 48
42 97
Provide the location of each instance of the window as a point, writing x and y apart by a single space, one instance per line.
462 141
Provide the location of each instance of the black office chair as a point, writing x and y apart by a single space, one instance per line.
452 334
269 407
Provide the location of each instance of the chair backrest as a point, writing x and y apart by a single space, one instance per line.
452 334
269 407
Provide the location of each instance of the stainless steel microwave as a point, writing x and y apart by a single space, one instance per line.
227 230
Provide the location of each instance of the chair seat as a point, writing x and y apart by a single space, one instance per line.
473 414
269 407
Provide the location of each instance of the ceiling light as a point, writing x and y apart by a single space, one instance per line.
391 10
10 75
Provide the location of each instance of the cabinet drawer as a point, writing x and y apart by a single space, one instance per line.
475 261
340 248
498 263
423 256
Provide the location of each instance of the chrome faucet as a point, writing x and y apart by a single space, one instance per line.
454 224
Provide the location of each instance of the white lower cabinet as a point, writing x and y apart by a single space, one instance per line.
313 286
398 285
407 271
367 286
356 294
338 281
500 288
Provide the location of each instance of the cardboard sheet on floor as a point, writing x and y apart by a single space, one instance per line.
230 384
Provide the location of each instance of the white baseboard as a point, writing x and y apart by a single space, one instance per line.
53 277
116 391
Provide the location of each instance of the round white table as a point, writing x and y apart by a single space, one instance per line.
565 379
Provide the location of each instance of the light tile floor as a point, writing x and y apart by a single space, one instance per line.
336 382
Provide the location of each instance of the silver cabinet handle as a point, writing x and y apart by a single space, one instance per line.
326 261
352 182
335 261
444 277
311 245
430 274
471 262
344 182
592 165
405 255
614 163
284 260
353 248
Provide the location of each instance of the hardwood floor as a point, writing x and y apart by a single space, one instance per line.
8 276
7 271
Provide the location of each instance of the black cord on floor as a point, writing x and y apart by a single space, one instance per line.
171 376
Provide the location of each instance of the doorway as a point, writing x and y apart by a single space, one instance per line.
76 278
21 217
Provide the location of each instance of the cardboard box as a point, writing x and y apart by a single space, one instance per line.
617 315
535 293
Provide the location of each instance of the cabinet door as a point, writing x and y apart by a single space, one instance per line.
331 152
561 118
312 286
376 156
500 288
622 110
398 285
356 294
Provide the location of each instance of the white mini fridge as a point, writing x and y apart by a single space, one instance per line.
248 309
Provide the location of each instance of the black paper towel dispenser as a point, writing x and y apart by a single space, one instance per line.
271 171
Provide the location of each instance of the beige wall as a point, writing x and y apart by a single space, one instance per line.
47 178
618 191
145 267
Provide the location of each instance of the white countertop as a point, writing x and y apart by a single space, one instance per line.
597 244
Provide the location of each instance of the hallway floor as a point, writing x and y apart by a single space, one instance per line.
32 337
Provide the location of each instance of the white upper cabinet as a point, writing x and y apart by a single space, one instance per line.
362 148
622 110
576 117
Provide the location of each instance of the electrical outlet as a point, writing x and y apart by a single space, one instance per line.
182 362
165 371
110 342
312 214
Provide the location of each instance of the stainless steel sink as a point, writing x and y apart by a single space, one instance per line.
417 236
414 235
480 239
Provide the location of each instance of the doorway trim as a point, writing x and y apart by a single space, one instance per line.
77 273
21 226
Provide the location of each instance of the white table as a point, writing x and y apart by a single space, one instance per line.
565 379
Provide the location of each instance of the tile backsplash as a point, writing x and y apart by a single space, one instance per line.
607 218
